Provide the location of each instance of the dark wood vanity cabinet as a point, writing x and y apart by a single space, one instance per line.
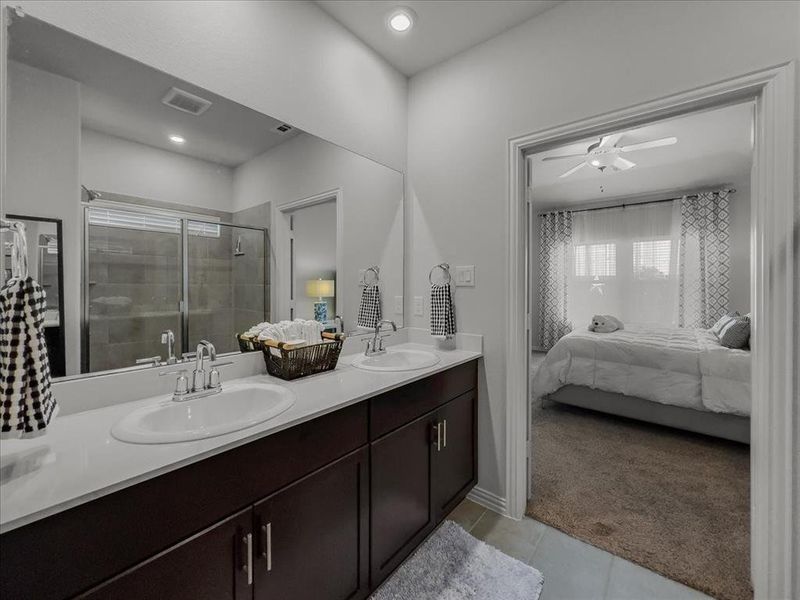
419 473
309 536
324 510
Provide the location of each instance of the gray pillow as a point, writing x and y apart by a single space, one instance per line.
717 327
736 333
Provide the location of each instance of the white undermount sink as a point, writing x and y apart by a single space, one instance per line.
396 359
238 406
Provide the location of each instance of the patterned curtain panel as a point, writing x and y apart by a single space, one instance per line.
555 239
704 260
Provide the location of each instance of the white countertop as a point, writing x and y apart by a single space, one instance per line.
78 460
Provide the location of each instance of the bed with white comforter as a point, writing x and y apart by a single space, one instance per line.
680 367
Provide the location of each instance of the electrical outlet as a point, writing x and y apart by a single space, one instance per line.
465 276
398 305
419 306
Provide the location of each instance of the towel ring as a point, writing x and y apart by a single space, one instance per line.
376 271
445 270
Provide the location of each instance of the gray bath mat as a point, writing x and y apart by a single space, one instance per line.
453 565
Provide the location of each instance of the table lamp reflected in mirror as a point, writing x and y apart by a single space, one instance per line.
320 288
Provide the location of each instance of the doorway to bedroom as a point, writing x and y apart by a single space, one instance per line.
640 367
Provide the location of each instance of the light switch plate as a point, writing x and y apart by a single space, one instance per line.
419 306
465 276
398 305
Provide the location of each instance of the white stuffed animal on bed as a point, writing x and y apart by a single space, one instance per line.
605 324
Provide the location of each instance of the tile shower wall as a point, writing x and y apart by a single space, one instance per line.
250 273
134 294
211 291
135 282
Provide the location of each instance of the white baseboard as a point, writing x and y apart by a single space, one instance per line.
489 500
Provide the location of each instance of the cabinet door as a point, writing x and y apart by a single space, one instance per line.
212 564
311 537
400 515
454 465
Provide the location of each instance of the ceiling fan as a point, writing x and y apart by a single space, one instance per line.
605 153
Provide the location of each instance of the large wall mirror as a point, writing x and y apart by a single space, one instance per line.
157 206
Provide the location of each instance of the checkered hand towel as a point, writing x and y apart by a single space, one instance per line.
369 312
443 320
27 403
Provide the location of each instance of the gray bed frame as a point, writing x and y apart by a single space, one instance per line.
722 425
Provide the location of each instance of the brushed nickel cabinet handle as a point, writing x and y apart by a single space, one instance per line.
248 540
268 534
444 426
438 437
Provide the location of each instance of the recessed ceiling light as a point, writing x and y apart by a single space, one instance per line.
401 19
176 139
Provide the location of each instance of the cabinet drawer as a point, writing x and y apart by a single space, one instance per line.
65 554
209 565
398 407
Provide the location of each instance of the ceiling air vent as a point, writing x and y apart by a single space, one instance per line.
186 102
283 128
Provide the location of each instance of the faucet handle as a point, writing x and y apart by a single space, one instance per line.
181 384
214 381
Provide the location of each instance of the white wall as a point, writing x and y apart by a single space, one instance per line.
289 60
120 166
577 60
372 212
42 180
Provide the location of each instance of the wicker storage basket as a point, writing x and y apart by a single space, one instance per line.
293 362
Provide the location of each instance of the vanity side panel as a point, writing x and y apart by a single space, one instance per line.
67 553
394 409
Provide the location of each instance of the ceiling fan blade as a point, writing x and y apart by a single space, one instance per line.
667 141
622 164
573 169
608 141
564 156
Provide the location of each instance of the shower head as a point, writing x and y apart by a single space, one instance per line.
91 194
238 251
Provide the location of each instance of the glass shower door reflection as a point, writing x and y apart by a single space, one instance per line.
226 282
133 292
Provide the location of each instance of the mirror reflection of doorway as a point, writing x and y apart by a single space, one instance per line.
313 262
46 266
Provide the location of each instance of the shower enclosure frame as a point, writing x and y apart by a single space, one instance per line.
183 305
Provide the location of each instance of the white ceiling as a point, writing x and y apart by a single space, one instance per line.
443 28
714 147
122 97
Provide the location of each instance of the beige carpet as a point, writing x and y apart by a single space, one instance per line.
671 501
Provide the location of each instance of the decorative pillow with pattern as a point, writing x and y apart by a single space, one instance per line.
717 327
736 334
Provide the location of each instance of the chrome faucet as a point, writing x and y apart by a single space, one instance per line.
339 322
199 374
168 338
376 345
200 386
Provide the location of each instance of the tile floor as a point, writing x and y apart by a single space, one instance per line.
572 569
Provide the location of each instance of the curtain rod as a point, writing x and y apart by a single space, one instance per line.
623 205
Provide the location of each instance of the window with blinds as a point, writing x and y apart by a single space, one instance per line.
143 221
596 260
651 259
